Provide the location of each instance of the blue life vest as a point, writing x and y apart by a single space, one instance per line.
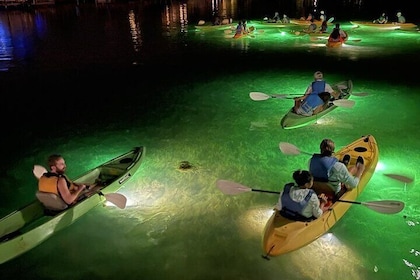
313 100
292 209
320 167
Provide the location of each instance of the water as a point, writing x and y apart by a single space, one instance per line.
91 82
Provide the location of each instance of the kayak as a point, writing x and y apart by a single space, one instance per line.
335 44
29 226
282 235
292 120
241 35
305 22
384 26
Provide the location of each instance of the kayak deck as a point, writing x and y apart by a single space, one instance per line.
282 235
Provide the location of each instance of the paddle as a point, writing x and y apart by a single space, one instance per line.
355 94
290 149
381 206
258 96
117 199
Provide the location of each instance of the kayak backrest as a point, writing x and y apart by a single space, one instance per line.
51 201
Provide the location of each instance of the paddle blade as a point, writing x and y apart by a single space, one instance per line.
231 188
117 199
288 149
400 178
258 96
39 170
385 206
344 103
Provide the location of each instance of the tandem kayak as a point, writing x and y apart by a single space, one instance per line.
292 120
282 235
29 226
384 26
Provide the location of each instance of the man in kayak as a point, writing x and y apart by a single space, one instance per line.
298 201
55 181
400 18
328 169
316 97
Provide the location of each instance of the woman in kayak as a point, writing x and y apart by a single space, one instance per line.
298 201
316 96
382 19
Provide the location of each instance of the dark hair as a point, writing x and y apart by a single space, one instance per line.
52 159
335 34
302 177
327 147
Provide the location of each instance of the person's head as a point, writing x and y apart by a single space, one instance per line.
327 147
318 75
398 14
303 178
56 164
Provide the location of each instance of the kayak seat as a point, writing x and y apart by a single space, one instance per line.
51 201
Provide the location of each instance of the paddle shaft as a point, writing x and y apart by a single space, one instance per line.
347 201
265 191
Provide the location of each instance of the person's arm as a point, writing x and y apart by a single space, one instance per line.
65 193
350 179
317 206
329 89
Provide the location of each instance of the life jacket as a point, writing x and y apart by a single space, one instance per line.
320 167
313 100
49 181
292 209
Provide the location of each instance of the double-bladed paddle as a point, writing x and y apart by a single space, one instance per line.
117 199
258 96
381 206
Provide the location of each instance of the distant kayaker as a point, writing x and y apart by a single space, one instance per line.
400 18
55 181
276 17
328 169
382 19
322 16
312 26
298 201
324 27
337 35
316 97
239 29
285 19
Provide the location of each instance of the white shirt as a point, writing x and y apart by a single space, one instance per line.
340 173
297 194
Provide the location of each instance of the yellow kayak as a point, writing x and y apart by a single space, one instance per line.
282 235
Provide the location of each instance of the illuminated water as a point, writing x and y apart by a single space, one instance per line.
92 83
